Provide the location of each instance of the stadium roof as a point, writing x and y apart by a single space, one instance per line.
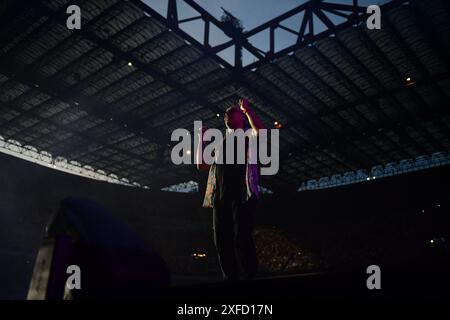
109 95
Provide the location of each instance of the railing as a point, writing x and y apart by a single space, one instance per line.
390 169
44 158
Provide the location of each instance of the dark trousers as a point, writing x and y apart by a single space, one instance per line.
233 237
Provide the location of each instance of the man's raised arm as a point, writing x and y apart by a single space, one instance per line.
253 119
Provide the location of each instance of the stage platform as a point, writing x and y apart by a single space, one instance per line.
419 282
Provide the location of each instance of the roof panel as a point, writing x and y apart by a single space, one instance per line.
342 101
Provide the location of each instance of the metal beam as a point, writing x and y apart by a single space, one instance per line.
310 94
118 52
270 101
343 76
69 129
440 110
401 79
355 14
164 21
410 54
329 88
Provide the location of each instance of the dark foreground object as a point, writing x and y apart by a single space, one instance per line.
420 282
114 262
117 264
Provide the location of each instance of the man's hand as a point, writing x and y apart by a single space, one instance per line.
253 119
244 106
